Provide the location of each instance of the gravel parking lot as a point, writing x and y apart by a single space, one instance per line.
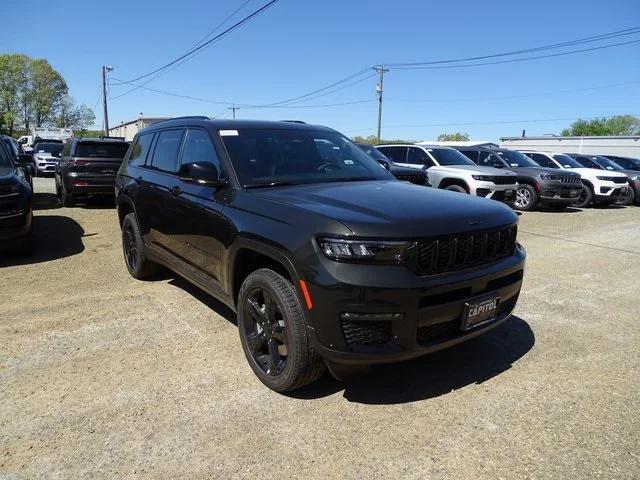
103 376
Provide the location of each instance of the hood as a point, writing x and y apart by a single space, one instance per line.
550 171
596 172
476 169
393 209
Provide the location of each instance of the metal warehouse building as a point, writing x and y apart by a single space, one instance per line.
129 129
613 145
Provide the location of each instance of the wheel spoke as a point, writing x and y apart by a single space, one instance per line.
255 311
255 341
274 357
270 307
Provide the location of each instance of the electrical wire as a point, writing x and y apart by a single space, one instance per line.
205 44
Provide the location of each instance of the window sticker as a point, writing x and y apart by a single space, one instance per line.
228 133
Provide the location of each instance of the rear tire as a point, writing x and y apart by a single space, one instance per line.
135 259
526 198
585 198
456 188
273 333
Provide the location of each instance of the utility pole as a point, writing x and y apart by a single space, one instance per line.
105 69
233 109
379 89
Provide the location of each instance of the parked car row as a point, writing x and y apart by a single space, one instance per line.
524 179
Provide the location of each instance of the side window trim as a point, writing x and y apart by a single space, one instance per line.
149 160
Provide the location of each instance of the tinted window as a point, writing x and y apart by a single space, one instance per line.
627 163
513 158
566 161
5 160
488 159
470 154
140 149
165 153
587 162
449 156
101 149
373 151
198 148
262 157
395 154
542 160
419 156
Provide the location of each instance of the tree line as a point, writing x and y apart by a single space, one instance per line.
33 93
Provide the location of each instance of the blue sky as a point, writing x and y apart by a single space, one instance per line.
299 46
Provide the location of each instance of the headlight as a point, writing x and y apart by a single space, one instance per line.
608 179
393 253
482 178
545 176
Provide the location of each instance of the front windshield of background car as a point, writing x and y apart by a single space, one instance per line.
516 159
52 148
566 161
273 157
374 152
101 149
607 164
449 156
588 163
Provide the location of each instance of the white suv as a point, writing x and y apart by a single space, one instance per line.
601 186
449 169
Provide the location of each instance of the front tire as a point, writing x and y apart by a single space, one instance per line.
135 259
628 199
585 198
273 333
455 188
526 198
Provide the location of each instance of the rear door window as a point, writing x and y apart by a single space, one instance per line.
542 160
165 153
395 154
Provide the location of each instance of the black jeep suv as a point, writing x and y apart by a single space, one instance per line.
536 185
407 174
325 256
88 168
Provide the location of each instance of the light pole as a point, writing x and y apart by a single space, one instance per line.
379 89
105 69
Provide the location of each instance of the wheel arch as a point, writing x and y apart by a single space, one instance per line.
447 181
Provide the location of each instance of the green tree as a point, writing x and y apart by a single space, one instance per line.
69 114
373 140
616 125
49 90
13 70
453 137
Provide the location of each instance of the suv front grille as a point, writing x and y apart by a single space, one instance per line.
366 332
566 178
463 251
618 179
503 180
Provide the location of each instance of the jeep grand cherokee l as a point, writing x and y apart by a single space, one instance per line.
326 257
88 168
536 185
450 170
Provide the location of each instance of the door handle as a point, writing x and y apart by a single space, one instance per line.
175 191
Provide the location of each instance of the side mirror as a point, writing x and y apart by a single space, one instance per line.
202 173
384 164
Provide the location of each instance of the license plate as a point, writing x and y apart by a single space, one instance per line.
479 311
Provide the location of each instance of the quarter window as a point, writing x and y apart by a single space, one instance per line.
140 149
165 153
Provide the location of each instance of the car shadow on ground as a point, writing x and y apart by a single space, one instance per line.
45 201
560 210
49 201
54 237
211 302
440 373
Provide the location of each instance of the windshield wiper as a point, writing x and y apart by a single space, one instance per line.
270 184
355 179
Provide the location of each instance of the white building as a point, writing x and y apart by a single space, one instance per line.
612 145
463 143
129 129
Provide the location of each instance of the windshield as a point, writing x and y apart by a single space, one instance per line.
516 159
607 164
101 149
53 148
449 156
566 161
5 159
374 152
272 157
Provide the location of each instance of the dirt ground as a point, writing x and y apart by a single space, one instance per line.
103 376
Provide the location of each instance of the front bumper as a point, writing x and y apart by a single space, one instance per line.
558 193
609 193
503 193
46 167
427 310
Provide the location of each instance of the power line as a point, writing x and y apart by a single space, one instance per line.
208 42
510 97
593 38
514 60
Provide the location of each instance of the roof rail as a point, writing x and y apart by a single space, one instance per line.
294 121
186 117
